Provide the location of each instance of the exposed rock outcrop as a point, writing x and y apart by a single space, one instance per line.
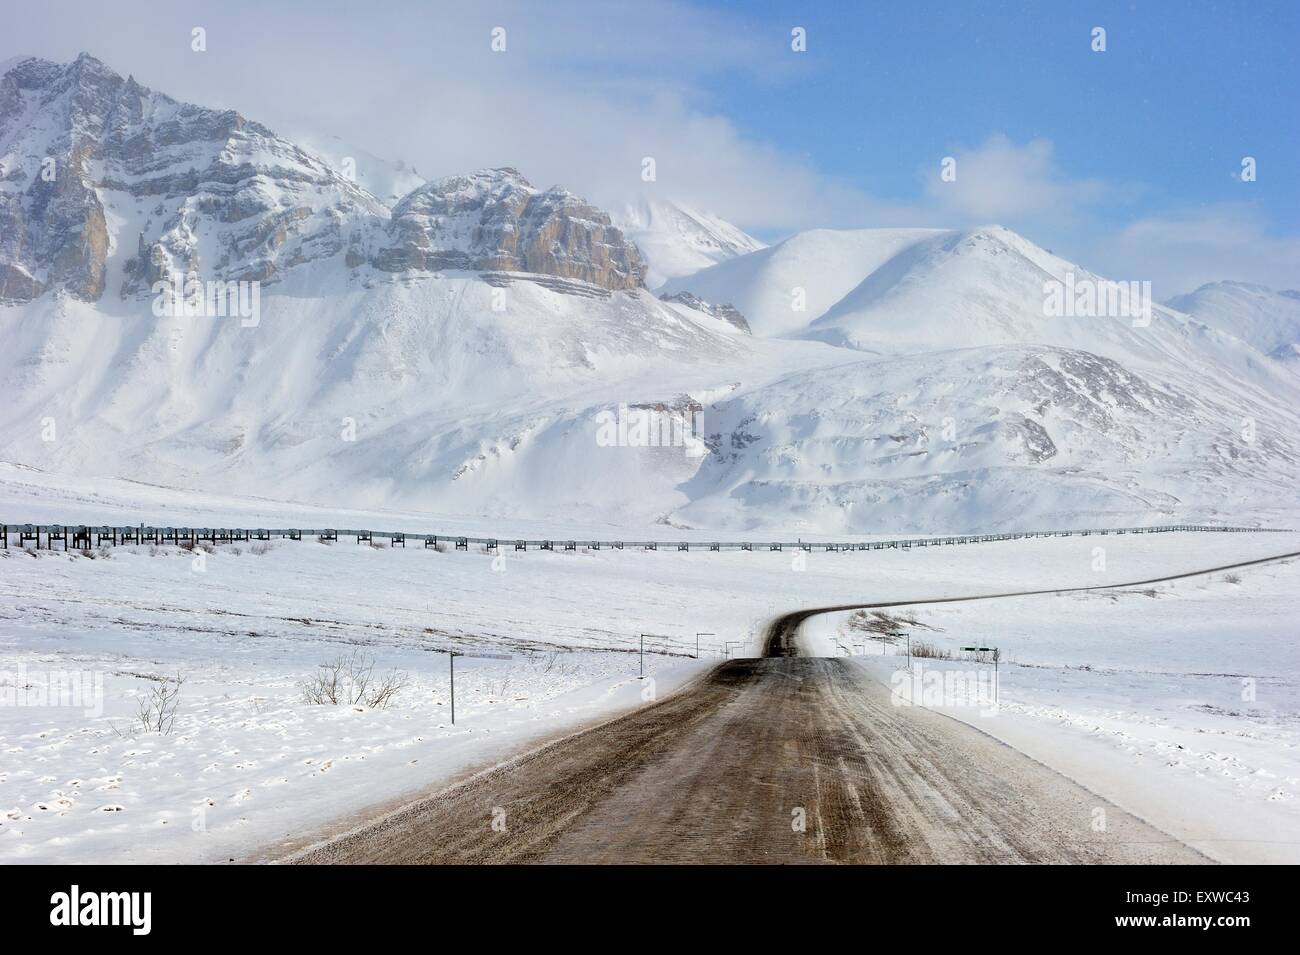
728 313
78 140
494 220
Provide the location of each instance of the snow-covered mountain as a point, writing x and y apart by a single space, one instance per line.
677 240
478 347
1259 316
1003 436
141 188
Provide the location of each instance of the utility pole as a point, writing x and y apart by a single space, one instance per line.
698 634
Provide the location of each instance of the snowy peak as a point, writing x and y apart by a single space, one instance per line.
106 185
1266 320
677 240
991 286
494 220
970 287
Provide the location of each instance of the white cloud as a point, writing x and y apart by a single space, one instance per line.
1181 251
1000 181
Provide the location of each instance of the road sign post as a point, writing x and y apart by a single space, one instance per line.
451 668
996 655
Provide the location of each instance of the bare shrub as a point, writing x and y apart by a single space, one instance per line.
884 625
928 650
385 688
156 711
351 681
1232 578
260 548
984 656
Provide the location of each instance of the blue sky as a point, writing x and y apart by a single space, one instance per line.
1126 161
1181 94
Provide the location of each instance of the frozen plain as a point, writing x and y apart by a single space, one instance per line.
1137 697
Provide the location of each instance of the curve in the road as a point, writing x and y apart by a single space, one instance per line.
780 759
782 632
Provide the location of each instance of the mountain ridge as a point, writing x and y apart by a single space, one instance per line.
458 351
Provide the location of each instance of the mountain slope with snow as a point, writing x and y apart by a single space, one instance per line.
998 436
1261 317
677 240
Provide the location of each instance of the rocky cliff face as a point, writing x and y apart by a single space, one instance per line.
494 220
187 188
107 187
